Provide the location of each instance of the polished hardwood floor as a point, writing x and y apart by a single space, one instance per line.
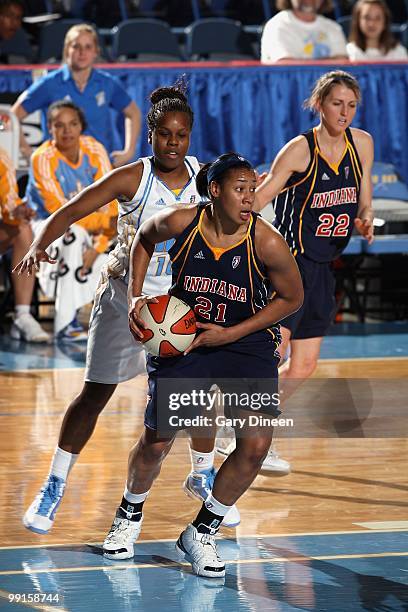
336 482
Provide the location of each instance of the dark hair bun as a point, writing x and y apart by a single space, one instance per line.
177 91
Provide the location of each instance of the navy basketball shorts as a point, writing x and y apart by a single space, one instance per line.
237 368
315 316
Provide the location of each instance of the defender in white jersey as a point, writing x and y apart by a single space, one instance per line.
141 188
113 356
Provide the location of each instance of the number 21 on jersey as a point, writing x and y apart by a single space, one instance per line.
203 307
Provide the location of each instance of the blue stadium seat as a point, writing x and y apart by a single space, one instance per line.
345 23
355 246
144 40
142 8
387 245
218 40
387 184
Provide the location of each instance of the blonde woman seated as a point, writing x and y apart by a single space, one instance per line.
370 34
60 168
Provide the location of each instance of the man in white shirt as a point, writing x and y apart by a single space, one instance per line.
299 32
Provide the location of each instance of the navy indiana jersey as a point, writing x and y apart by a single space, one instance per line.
315 211
222 285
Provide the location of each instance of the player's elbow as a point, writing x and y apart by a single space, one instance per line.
296 300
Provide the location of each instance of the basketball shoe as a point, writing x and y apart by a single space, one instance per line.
74 332
200 550
41 514
199 485
123 534
273 465
25 327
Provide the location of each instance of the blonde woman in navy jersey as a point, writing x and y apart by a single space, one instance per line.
142 189
320 184
225 261
320 187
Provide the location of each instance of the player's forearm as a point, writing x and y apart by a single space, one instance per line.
132 130
140 256
278 309
55 226
365 212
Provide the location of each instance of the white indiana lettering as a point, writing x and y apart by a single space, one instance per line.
202 284
345 195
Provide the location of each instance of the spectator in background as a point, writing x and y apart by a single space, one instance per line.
93 90
299 32
370 33
60 168
11 15
16 233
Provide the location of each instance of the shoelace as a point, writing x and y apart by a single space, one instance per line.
50 494
209 540
119 531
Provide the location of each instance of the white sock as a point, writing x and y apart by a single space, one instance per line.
215 506
201 462
21 309
62 463
134 498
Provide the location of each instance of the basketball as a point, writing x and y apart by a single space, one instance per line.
170 326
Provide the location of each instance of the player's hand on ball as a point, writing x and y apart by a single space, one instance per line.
213 335
31 261
365 227
136 323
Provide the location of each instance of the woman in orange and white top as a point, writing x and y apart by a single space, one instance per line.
60 168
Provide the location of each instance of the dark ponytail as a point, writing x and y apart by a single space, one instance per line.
202 182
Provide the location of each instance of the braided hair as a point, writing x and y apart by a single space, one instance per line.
168 100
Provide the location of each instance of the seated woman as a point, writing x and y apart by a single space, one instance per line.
60 168
370 33
16 233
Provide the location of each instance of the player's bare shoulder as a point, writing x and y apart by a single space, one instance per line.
295 153
127 180
362 139
176 218
266 236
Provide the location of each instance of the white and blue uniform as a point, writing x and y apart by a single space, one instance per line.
113 356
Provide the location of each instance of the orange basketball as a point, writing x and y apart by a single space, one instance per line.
170 326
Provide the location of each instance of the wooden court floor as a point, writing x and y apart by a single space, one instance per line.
330 537
336 483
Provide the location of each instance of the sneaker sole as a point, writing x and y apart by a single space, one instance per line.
273 472
222 452
183 554
118 556
35 529
231 525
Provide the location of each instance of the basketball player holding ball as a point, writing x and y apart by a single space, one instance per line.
142 189
225 261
